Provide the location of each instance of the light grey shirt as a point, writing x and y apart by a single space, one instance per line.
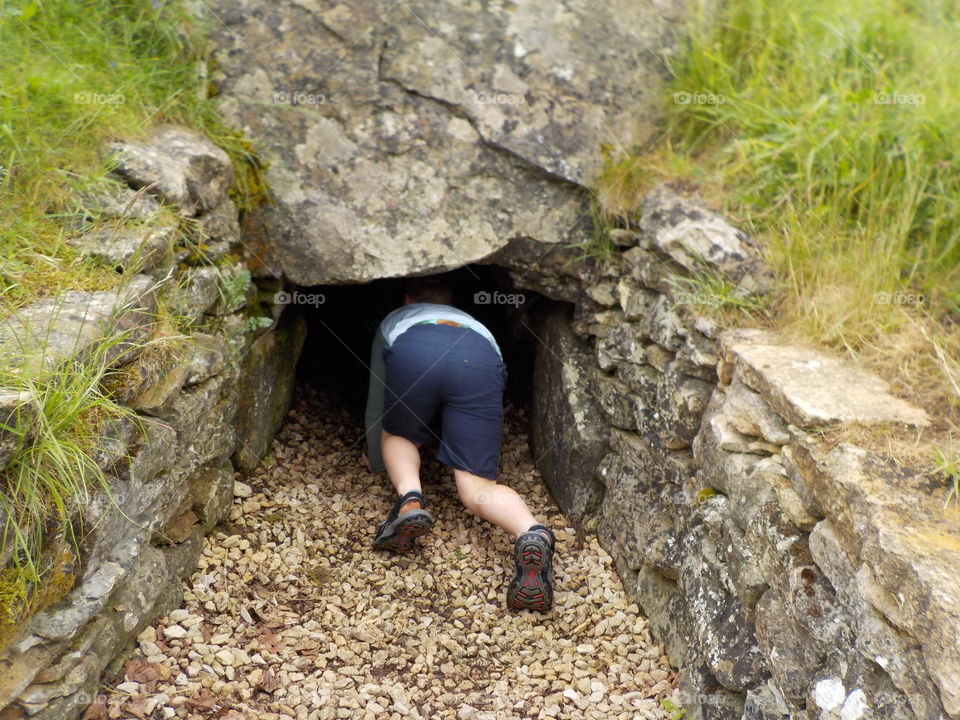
392 326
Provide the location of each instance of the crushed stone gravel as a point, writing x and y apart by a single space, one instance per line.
290 614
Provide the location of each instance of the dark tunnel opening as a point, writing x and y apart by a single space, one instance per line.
342 321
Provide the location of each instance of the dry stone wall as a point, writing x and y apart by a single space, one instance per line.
786 576
205 405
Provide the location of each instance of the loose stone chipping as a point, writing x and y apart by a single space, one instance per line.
291 614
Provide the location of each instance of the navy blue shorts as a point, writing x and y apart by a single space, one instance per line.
452 374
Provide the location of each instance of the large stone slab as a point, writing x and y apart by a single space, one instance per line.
413 137
566 433
266 389
811 388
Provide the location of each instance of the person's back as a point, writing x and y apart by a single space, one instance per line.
432 361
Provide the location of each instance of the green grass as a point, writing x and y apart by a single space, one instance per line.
828 129
59 430
75 74
949 467
837 133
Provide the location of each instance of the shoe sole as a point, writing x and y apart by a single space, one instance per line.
401 535
532 587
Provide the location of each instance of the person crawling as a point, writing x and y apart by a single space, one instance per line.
432 365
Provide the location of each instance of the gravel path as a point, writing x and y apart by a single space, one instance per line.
290 614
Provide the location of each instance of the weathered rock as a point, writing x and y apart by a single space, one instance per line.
206 356
566 433
733 462
726 638
681 401
115 438
733 549
156 380
179 165
80 605
747 411
195 294
111 199
719 450
128 249
792 653
904 544
700 240
705 698
664 608
620 405
638 476
179 527
18 415
110 323
217 437
181 558
217 231
399 146
877 641
211 492
156 453
811 389
266 388
764 703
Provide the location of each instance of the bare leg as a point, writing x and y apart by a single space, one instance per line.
402 459
499 504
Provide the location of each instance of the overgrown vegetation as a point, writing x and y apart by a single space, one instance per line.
73 77
828 130
58 461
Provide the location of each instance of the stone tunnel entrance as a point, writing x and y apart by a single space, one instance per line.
342 320
355 633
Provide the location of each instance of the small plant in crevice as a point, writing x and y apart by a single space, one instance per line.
677 712
256 323
707 291
948 463
600 246
233 286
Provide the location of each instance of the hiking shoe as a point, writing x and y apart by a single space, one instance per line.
532 586
398 533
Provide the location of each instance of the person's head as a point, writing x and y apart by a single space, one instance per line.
428 289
